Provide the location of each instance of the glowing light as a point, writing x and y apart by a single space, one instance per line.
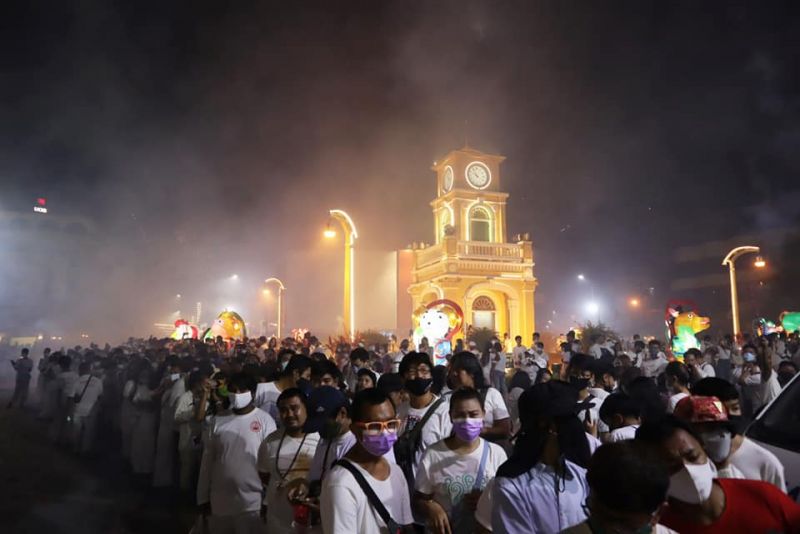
581 277
178 296
592 308
634 302
760 262
39 209
329 233
234 276
266 292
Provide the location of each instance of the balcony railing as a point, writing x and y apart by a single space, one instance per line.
490 251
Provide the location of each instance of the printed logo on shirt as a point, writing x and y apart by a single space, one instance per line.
255 426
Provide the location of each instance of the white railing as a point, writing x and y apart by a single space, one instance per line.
493 251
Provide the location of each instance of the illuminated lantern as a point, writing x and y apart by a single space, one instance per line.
683 326
439 322
184 330
790 321
229 325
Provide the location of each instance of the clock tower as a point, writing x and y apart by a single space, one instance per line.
471 261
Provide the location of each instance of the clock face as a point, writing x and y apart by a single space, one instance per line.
447 183
478 175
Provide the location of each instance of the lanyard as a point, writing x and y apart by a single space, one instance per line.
278 455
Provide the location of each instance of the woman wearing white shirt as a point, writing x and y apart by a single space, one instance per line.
465 371
453 472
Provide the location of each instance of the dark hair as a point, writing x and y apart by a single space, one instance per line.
642 489
628 375
390 382
679 371
368 372
291 393
555 397
359 353
653 342
84 367
521 379
63 361
645 393
638 344
467 362
299 363
243 381
464 394
581 362
660 430
619 403
697 354
325 367
414 358
540 375
366 398
196 377
716 387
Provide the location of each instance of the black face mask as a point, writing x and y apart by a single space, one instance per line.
738 422
579 382
304 385
418 386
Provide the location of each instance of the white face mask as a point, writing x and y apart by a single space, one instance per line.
174 376
240 400
693 483
717 444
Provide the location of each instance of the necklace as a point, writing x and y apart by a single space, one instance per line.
282 476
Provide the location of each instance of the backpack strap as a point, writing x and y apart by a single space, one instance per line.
373 499
428 414
481 467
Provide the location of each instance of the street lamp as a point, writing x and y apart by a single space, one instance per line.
634 302
729 260
350 236
281 289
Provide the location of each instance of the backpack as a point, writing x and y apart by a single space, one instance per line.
407 445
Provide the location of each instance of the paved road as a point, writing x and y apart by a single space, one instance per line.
46 490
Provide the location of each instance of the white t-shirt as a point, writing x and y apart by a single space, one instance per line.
674 400
519 354
66 383
651 368
89 398
706 370
449 476
345 509
597 401
622 433
436 428
293 463
228 472
494 406
757 463
328 451
266 398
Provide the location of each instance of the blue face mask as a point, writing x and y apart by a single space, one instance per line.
749 357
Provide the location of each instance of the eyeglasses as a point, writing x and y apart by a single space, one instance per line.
377 427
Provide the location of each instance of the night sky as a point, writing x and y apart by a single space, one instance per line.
202 137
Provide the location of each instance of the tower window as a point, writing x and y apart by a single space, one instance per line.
480 224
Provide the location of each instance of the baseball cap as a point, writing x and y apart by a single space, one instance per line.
323 402
698 409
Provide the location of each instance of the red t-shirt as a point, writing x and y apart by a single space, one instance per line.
751 506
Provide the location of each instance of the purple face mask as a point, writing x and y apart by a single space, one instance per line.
468 429
379 444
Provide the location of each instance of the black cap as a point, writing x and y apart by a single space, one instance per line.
323 403
548 399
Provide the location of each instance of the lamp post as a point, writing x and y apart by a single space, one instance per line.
729 260
281 289
350 236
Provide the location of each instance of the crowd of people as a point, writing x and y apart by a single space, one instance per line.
292 436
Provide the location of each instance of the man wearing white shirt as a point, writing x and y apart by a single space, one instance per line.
284 461
677 382
171 389
656 361
518 352
86 392
398 356
229 489
344 506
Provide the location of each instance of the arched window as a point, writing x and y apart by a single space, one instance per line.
483 313
480 224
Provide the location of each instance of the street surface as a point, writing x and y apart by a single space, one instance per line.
46 490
